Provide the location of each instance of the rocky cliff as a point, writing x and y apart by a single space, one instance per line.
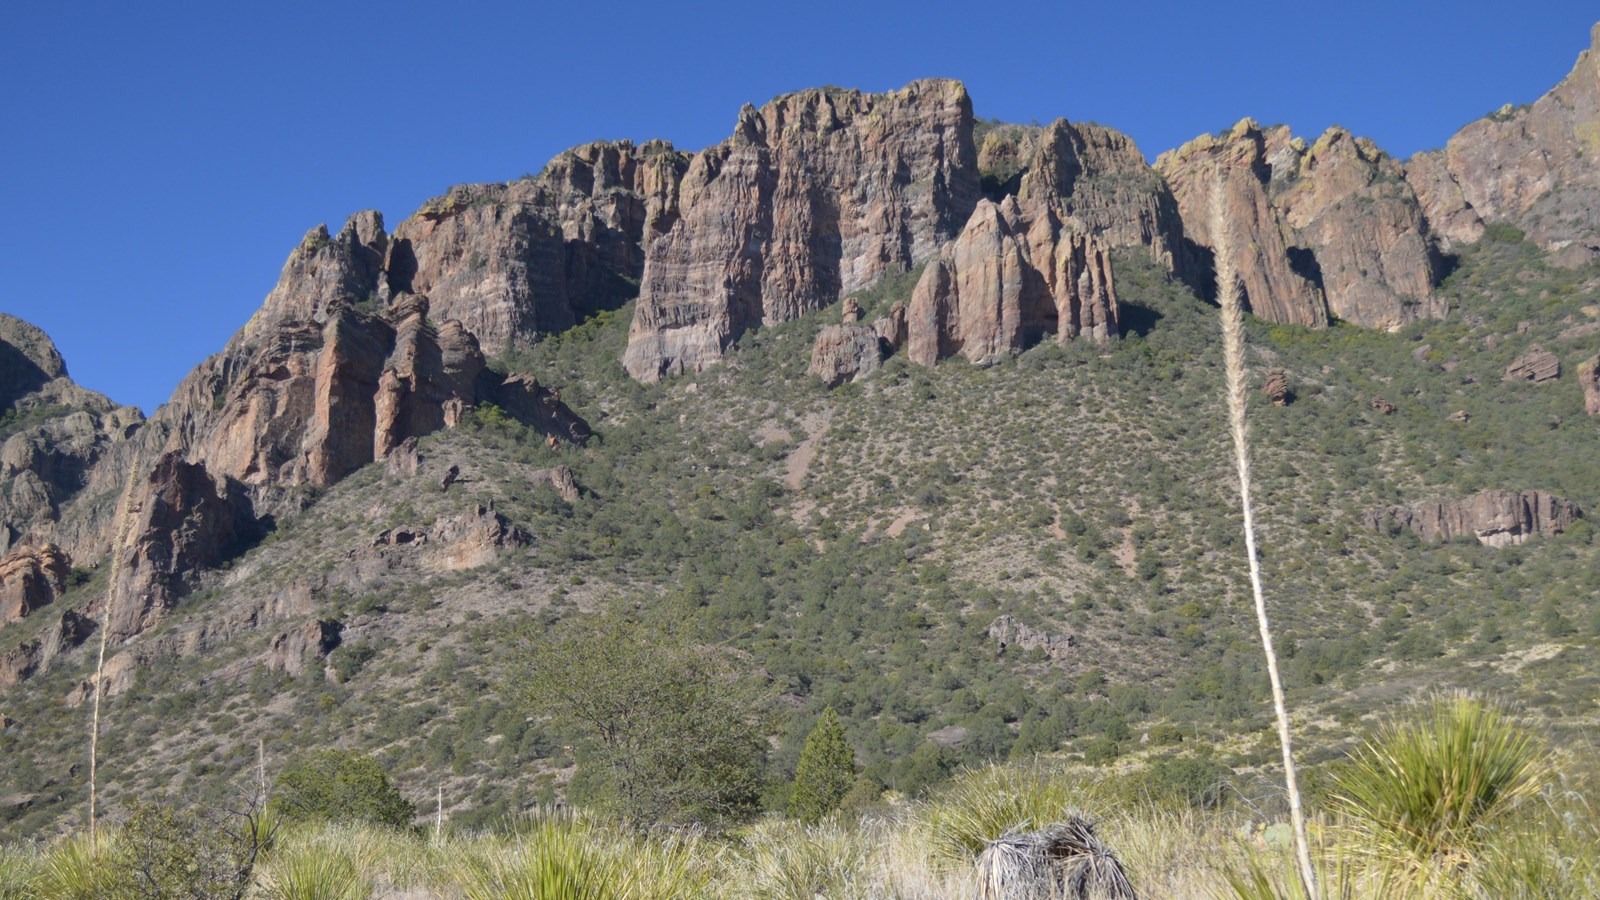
1532 166
1329 229
53 434
816 194
1016 273
515 261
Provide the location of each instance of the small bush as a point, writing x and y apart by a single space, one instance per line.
338 786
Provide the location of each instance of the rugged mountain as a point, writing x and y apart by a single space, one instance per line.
1330 229
1532 166
339 520
816 195
53 433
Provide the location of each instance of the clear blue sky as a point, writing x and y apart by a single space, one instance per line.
161 160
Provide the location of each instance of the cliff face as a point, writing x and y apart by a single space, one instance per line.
1015 275
1531 166
515 261
1330 229
815 195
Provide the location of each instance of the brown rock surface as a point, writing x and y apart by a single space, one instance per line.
845 353
1329 229
1277 388
184 522
1495 518
816 195
290 650
1098 178
1589 377
515 261
1537 365
1015 274
1532 166
891 329
560 479
31 578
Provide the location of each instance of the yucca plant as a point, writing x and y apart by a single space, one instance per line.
986 804
79 868
791 861
315 872
1438 788
552 858
19 866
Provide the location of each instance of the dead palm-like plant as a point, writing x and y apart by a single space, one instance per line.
1238 425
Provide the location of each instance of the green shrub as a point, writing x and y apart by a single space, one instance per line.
339 786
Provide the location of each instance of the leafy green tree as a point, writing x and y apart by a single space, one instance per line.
340 786
826 772
673 730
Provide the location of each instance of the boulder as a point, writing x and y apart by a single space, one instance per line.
845 353
1276 388
560 479
1537 365
1589 378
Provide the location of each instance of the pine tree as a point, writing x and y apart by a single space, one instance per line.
826 771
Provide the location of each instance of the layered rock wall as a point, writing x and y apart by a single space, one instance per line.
817 194
1016 274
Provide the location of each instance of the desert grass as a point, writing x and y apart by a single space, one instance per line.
1239 427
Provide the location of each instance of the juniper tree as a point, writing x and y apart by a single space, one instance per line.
826 771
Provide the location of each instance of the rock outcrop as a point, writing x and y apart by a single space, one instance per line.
1017 273
560 479
845 353
1009 634
185 521
1495 518
458 542
816 195
1277 389
1330 229
31 578
515 261
292 651
1537 365
1097 178
1589 378
1532 166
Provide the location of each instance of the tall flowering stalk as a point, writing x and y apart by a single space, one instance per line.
119 546
1233 357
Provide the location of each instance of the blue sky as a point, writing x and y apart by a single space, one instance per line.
161 160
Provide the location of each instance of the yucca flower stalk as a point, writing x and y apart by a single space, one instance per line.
119 546
1239 426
